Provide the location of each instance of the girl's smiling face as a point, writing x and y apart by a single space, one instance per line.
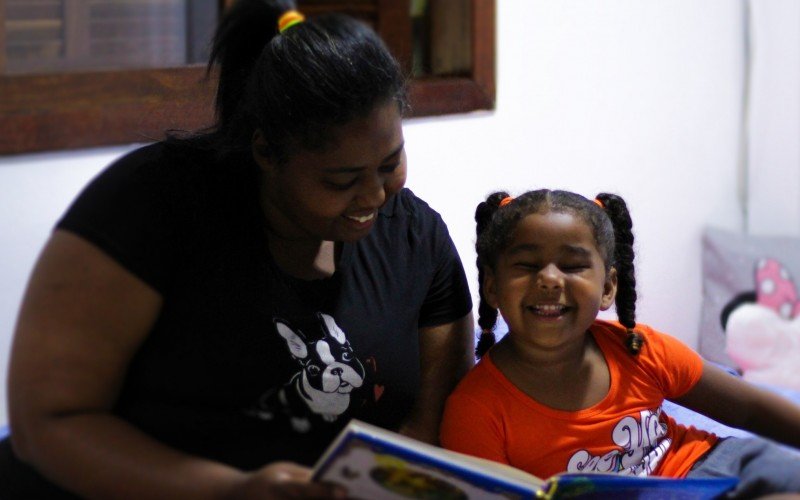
550 282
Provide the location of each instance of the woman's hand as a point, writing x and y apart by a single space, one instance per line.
281 480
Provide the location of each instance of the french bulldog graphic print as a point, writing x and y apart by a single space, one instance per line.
328 371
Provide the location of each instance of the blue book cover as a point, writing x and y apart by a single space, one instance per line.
375 464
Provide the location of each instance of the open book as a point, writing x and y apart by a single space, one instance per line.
373 463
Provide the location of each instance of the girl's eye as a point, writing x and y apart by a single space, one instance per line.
575 268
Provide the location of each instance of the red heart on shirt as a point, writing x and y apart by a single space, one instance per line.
378 389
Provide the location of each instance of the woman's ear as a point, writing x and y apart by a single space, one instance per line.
261 151
609 289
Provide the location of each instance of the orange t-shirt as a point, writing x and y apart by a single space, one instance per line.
625 433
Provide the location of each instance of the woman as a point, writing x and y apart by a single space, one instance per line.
212 309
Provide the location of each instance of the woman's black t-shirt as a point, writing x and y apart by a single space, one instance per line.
245 364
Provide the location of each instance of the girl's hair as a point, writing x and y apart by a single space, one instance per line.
294 86
611 227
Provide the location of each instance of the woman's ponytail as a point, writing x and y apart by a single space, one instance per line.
241 35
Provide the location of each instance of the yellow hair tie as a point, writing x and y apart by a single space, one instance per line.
289 19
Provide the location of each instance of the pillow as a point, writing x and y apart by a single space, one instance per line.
750 317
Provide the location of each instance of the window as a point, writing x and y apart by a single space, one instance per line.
48 36
83 73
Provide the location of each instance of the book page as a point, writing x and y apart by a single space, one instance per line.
374 463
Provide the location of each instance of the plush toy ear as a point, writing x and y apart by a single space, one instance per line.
740 300
294 342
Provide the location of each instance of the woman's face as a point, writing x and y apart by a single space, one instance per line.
335 194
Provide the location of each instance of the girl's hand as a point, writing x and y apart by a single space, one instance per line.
281 480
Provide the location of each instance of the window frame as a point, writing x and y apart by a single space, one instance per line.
101 108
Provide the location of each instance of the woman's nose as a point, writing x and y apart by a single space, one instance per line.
373 191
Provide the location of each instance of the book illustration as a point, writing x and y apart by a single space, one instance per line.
370 471
376 464
373 463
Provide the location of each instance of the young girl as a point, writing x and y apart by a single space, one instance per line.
567 392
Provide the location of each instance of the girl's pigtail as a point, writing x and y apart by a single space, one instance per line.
617 211
487 315
243 32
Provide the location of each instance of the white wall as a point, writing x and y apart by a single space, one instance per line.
642 98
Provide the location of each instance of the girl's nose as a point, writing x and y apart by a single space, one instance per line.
550 277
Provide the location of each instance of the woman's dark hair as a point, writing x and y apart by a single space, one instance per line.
293 86
612 230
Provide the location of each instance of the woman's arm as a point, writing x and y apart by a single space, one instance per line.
82 320
736 403
446 354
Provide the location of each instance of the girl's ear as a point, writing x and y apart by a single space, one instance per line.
489 287
609 289
261 151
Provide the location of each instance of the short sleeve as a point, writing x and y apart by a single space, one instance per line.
448 297
469 427
129 212
685 365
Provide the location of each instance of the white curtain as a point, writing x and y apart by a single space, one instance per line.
771 139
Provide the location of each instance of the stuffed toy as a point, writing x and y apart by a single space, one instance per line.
762 328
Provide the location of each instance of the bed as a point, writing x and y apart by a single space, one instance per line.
688 417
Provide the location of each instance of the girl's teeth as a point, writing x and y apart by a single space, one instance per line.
549 309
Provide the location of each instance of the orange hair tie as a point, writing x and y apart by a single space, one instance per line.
599 203
505 201
289 19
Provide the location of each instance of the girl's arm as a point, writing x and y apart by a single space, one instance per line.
446 354
736 403
82 320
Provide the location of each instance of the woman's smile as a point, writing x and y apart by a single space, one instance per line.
361 222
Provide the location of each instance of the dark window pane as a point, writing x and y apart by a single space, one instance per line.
49 36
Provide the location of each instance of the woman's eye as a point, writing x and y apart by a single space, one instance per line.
338 186
388 169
